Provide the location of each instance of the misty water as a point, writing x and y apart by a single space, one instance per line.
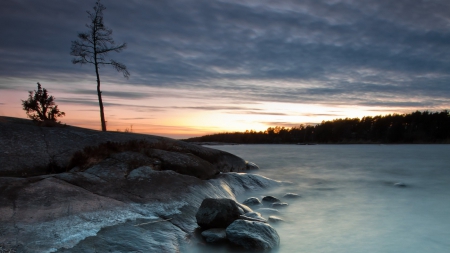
349 201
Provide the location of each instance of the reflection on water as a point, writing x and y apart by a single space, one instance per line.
349 201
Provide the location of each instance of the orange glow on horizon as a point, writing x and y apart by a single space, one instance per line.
183 117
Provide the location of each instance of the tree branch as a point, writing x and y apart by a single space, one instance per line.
120 68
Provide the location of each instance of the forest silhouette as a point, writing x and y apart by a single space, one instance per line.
416 127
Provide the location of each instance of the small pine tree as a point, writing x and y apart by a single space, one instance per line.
40 106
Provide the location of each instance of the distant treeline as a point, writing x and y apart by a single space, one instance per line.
417 127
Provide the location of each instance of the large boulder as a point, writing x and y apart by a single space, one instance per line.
187 164
218 213
253 235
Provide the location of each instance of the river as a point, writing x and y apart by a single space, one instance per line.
349 198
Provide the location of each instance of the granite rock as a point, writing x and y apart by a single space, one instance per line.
252 201
217 213
253 235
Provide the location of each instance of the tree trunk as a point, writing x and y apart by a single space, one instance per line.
100 102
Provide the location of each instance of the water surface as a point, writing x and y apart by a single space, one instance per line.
349 202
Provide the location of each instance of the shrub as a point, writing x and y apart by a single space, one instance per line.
91 155
41 107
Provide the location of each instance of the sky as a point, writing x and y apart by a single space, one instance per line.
207 66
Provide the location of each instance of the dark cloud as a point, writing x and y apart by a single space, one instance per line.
81 101
117 94
213 108
348 51
165 128
94 102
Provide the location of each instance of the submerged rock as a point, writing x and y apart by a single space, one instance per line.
253 235
214 235
275 219
270 199
280 204
244 208
291 195
218 213
268 211
400 184
253 216
252 201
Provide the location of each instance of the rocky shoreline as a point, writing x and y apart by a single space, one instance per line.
141 196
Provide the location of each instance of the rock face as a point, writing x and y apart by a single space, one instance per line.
146 210
186 164
128 201
253 235
217 213
47 148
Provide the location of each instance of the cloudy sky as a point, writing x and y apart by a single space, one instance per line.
206 66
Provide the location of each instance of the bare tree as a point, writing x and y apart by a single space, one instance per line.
40 106
93 46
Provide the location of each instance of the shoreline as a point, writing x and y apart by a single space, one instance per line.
170 218
312 144
130 187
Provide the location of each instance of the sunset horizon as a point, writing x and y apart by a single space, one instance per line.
212 122
207 67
